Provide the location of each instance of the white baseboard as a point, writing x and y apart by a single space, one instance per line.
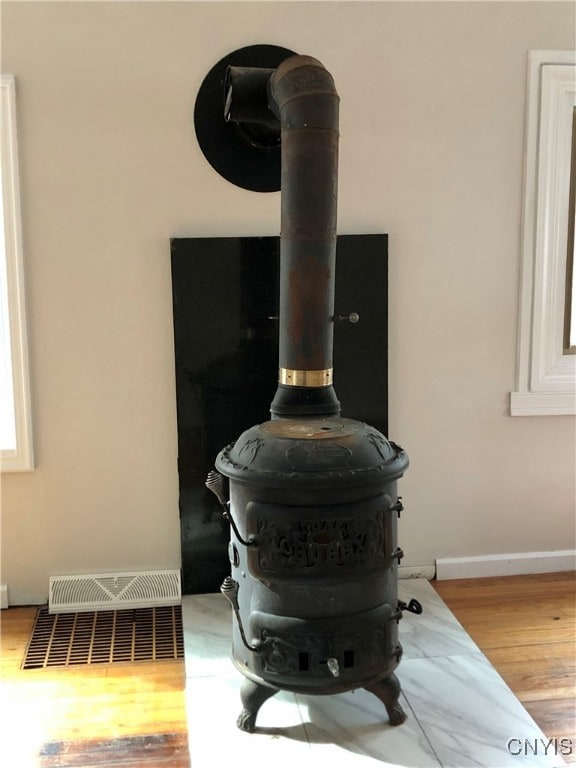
505 565
416 571
3 596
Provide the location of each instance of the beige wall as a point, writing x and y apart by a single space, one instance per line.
431 152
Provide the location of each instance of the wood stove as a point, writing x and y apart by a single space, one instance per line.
311 497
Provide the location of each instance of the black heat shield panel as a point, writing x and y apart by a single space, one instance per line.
226 354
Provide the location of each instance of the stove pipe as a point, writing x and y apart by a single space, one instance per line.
303 96
303 101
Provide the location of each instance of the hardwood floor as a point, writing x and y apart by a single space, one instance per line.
526 626
120 715
109 715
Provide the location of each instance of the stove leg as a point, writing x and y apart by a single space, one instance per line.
253 695
388 691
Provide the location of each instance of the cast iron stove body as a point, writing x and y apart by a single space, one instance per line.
311 497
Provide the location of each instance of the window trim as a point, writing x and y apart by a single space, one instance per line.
22 457
546 376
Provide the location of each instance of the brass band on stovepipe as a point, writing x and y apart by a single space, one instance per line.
294 378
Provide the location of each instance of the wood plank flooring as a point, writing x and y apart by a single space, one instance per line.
526 627
120 715
106 715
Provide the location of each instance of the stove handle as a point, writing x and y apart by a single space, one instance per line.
398 554
230 589
333 667
216 483
251 542
414 606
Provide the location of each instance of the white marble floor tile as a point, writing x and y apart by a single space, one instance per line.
469 714
434 632
356 724
207 628
213 704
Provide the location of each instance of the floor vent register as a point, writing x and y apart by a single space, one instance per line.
105 637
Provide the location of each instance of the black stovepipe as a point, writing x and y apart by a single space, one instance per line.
302 96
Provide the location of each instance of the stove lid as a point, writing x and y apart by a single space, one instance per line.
312 452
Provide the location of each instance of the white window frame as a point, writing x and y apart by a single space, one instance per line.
546 376
12 296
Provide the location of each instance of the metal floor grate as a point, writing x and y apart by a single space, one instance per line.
105 637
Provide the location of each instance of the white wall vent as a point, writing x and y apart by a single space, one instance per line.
111 591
